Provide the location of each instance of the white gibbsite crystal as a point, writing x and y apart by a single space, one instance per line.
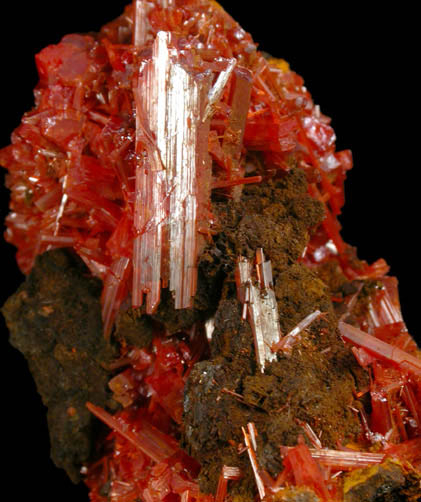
174 105
260 303
170 103
231 473
209 328
218 88
293 336
346 459
305 323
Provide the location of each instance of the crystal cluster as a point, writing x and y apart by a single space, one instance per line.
93 167
146 461
134 130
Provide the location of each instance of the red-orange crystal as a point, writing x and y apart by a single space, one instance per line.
144 459
103 177
131 131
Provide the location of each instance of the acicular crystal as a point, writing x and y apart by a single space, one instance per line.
254 464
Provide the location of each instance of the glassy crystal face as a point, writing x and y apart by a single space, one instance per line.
137 134
260 305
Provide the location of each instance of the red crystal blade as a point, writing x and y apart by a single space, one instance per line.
381 350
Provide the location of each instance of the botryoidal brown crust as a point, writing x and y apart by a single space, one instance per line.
54 319
314 385
276 215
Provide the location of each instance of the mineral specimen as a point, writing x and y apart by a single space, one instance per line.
247 350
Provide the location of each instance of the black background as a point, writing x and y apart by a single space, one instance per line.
360 66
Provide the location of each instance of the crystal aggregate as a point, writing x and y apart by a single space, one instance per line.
131 135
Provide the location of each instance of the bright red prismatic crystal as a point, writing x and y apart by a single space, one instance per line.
93 167
395 387
305 470
250 443
381 350
145 460
132 131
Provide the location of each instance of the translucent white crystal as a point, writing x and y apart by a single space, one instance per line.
170 102
261 306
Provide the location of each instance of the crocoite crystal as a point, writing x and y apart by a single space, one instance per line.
132 132
115 157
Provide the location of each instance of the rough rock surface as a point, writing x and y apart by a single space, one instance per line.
387 482
314 385
294 495
54 319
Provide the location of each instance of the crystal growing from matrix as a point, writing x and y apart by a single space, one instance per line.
170 102
252 353
259 305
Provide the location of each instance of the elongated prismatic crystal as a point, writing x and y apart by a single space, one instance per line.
227 473
385 308
170 106
345 460
259 302
381 350
293 336
249 443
